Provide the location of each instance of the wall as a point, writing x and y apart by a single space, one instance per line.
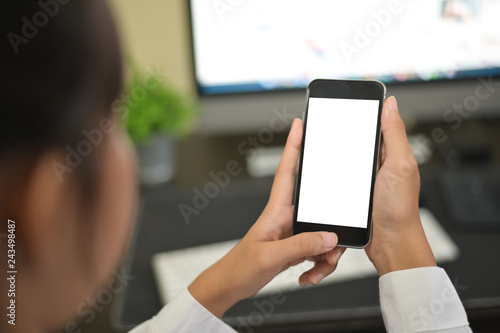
157 32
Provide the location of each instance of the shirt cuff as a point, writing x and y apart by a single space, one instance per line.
420 299
184 314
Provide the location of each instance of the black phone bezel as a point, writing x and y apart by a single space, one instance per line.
346 89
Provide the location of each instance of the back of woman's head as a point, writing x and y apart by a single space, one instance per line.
60 71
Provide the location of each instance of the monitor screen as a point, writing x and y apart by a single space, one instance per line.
259 45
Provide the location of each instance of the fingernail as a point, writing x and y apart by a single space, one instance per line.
329 239
317 278
337 255
303 282
393 104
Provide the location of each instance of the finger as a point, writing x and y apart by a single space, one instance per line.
296 262
316 274
395 140
282 190
316 258
333 256
322 268
300 246
382 153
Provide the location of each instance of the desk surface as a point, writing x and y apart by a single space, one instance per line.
161 227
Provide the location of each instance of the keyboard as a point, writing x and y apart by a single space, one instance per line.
175 270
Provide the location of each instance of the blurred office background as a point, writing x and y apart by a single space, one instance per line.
450 53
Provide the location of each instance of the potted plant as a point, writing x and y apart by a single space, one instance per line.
157 116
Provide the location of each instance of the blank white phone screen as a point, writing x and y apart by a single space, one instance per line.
337 161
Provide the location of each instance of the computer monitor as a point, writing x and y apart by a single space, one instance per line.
251 57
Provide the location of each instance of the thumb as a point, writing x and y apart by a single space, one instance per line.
303 245
393 130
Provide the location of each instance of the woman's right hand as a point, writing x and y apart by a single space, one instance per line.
398 239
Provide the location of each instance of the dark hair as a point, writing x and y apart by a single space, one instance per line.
61 69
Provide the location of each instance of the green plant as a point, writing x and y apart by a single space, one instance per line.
154 106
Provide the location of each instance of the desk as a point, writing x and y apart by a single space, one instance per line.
350 305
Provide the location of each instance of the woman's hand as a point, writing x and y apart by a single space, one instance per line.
398 240
268 248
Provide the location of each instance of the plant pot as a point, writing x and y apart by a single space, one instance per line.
156 160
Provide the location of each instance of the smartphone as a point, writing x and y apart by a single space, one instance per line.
339 159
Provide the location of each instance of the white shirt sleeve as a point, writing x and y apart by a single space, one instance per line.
412 300
183 315
421 300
